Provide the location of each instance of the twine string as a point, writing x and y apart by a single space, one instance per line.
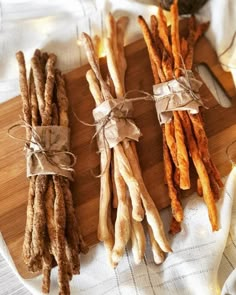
37 142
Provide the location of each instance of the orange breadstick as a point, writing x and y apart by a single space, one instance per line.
201 170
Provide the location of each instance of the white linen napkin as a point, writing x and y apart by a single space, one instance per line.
198 264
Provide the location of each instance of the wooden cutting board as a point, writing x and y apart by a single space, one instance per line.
220 128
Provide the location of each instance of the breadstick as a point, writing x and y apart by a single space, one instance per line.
122 223
199 187
39 83
176 207
71 229
182 154
170 141
163 31
154 31
114 190
202 143
189 57
39 222
27 247
151 211
49 206
47 114
130 151
158 254
201 171
151 47
184 47
93 87
137 238
175 226
167 66
124 165
128 175
111 62
24 92
47 266
104 233
122 24
94 63
60 223
175 37
33 101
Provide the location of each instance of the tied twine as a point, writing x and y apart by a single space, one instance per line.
41 160
180 93
113 122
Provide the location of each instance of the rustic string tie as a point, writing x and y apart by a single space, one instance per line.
35 147
186 85
118 110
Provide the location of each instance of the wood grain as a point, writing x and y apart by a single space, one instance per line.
220 127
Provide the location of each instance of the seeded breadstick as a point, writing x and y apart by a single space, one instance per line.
47 266
60 223
71 228
49 206
33 101
39 222
24 92
27 246
48 95
39 83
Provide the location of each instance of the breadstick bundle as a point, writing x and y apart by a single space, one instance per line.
52 235
178 106
121 175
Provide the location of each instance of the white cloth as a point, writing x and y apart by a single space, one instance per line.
202 260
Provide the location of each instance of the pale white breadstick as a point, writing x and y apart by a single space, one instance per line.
112 33
122 224
121 28
124 165
113 70
137 238
133 186
153 216
94 87
104 225
151 211
158 254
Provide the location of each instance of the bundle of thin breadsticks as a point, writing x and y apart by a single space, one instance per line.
121 175
184 137
52 235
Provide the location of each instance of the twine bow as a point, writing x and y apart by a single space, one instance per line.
35 147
